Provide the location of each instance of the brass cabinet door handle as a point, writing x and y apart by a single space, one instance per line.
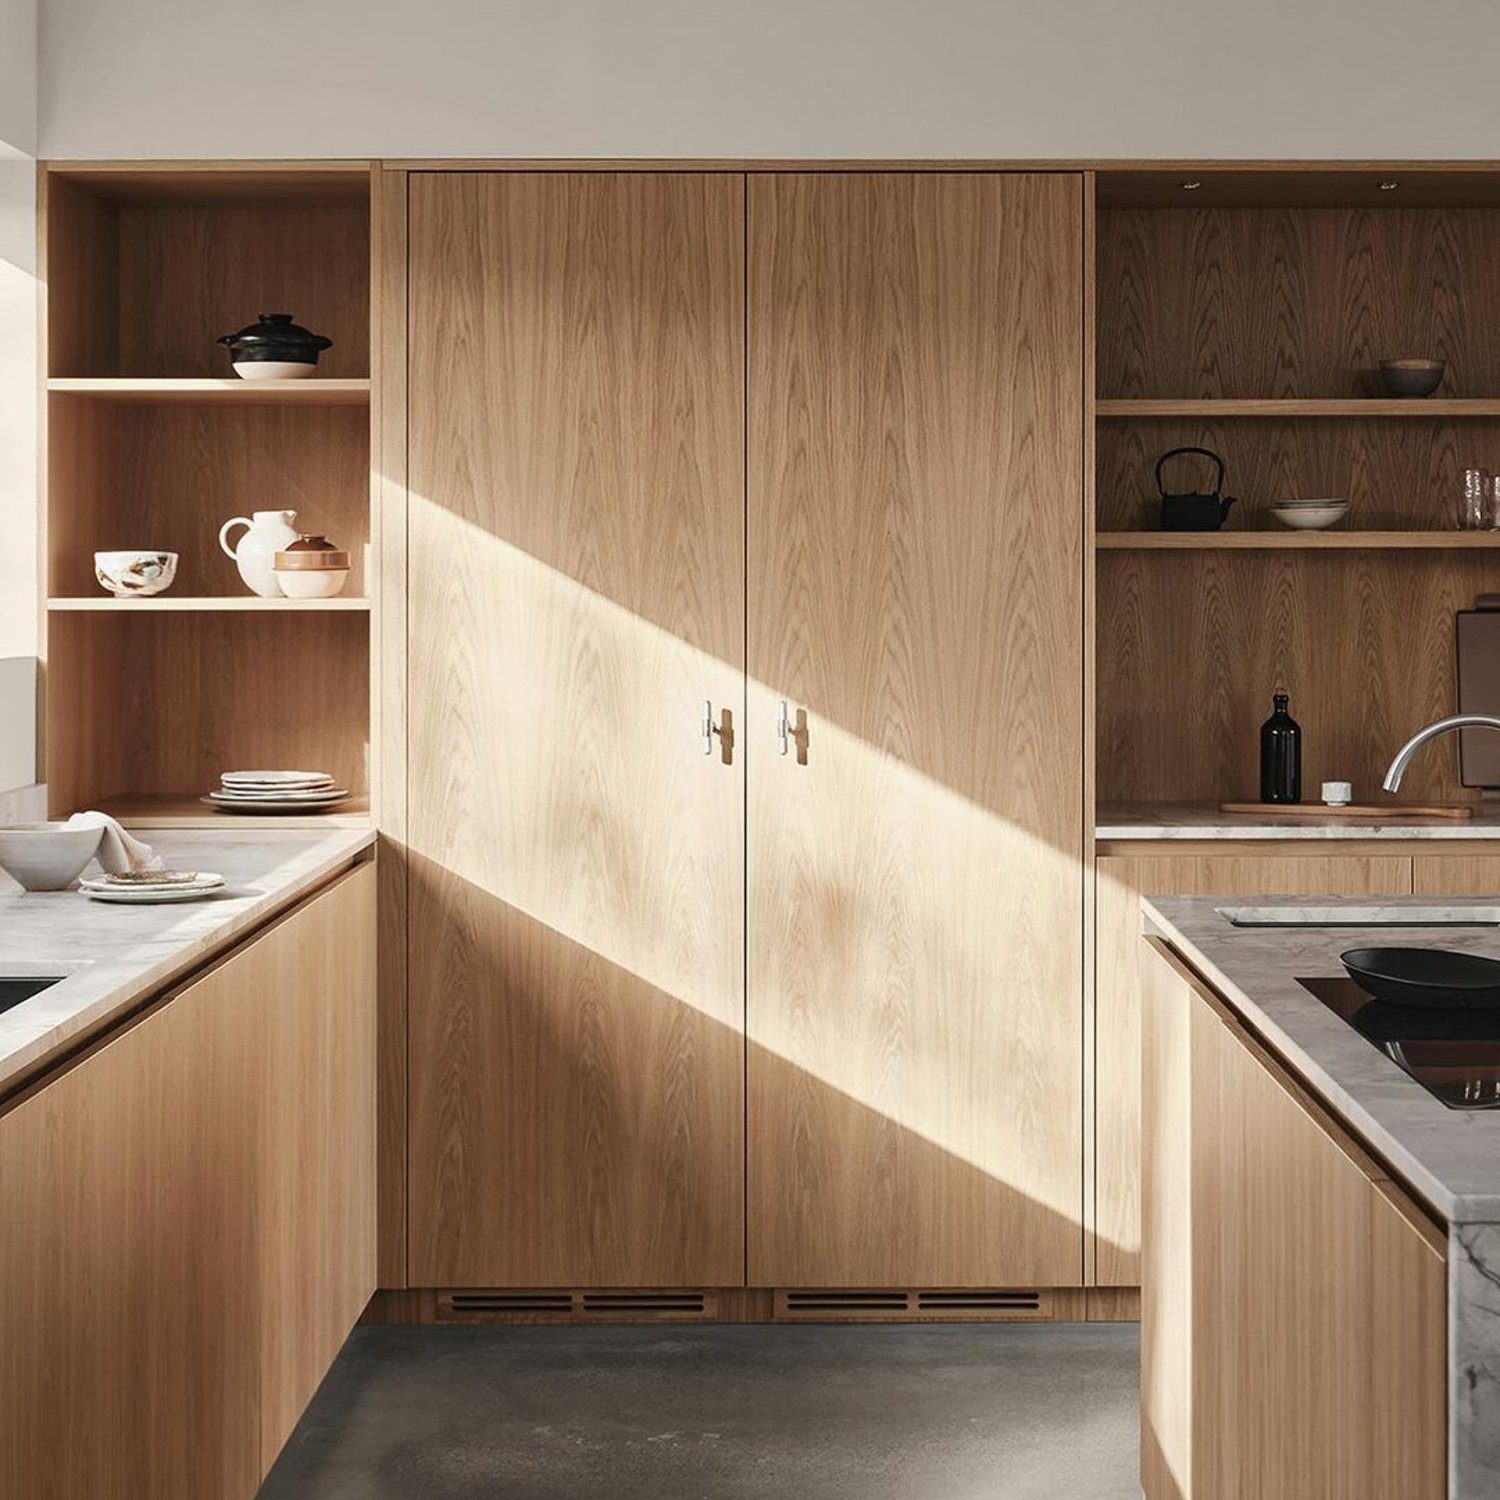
792 730
723 731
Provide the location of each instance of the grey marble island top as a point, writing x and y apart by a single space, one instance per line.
1124 823
1449 1158
112 957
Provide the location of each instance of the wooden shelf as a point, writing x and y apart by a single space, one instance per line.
1283 541
186 811
1430 408
184 604
230 391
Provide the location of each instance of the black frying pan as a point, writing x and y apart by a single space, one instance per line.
1428 977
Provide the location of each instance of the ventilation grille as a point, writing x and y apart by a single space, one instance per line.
925 1305
572 1305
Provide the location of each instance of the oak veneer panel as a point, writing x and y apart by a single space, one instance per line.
190 1223
1119 995
79 249
1166 1208
315 976
169 476
1317 1301
1399 476
1456 874
187 275
160 704
916 582
575 859
1192 644
1295 302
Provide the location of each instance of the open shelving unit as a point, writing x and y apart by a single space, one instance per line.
1248 316
152 441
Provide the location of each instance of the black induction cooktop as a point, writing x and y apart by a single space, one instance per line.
1453 1054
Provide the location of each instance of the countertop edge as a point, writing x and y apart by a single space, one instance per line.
127 983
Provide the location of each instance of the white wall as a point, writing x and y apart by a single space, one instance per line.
795 78
18 395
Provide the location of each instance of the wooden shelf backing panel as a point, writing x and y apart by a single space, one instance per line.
145 288
229 390
1396 477
156 706
180 604
186 811
1287 540
224 184
168 477
1191 648
1303 302
1429 409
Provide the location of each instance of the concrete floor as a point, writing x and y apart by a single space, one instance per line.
1003 1411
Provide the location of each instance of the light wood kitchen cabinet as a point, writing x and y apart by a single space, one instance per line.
915 516
1472 876
576 610
190 1222
1295 1300
1121 881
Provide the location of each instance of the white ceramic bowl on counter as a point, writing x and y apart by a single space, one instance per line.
46 856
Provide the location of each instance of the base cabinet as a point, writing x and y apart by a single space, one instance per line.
1122 880
1294 1301
190 1223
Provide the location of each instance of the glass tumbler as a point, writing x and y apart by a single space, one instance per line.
1475 508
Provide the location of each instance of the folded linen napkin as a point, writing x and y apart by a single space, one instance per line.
118 851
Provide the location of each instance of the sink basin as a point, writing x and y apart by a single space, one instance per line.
1362 916
13 990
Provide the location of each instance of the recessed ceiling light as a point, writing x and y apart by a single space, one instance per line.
1389 185
1191 185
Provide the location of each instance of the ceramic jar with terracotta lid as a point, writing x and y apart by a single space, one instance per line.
312 568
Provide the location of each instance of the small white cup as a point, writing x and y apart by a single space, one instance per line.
1337 793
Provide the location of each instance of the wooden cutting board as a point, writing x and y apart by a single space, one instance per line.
1386 812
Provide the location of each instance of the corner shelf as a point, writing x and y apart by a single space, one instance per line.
1285 541
186 811
183 604
1429 408
229 391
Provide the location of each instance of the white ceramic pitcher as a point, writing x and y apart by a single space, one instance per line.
267 532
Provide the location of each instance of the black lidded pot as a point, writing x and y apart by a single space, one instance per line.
1280 755
275 339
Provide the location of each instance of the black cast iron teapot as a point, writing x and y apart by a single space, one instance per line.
1190 510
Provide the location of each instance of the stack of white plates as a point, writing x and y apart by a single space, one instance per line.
148 888
276 792
1310 515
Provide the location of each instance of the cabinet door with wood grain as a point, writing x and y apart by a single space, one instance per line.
915 838
1293 1338
1122 880
576 615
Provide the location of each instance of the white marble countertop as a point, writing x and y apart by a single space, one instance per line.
1151 821
112 957
1449 1158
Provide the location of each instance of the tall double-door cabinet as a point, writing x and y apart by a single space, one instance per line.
745 779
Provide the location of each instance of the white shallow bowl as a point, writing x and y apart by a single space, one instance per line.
1310 515
47 856
273 369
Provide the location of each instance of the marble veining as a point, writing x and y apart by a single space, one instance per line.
1157 821
1474 1360
112 956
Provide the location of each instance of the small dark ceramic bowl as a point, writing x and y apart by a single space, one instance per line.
1412 377
1427 977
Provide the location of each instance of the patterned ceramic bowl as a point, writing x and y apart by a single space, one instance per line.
135 575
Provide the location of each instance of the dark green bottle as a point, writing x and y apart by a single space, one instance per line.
1280 755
